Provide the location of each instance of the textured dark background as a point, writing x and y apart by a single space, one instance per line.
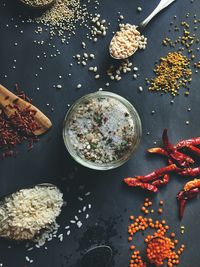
112 202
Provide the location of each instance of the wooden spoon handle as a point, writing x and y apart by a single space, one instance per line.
7 98
42 120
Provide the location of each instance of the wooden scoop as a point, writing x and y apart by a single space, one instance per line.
7 99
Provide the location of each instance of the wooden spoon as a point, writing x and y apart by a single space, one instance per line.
7 99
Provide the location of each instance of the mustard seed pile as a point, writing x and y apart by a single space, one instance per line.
175 70
126 41
25 213
172 72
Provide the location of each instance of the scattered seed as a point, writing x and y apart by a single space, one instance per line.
79 86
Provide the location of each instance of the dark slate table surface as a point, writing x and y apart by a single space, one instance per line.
112 202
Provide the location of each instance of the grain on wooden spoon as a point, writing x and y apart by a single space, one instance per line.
7 99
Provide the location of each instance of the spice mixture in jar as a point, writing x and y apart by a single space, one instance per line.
102 130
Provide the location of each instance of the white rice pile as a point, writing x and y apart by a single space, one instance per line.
25 213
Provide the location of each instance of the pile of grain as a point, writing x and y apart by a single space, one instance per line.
25 213
37 3
63 16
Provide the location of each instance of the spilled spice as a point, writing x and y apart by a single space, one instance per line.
174 70
100 233
17 128
172 73
160 247
184 37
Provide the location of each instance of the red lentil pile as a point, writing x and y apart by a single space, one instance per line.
18 128
159 247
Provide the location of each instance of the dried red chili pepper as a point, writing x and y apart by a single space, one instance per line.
133 182
182 205
157 150
194 150
192 172
160 151
161 182
179 163
177 157
192 184
182 198
158 173
171 152
186 143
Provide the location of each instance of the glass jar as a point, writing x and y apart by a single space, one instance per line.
121 106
